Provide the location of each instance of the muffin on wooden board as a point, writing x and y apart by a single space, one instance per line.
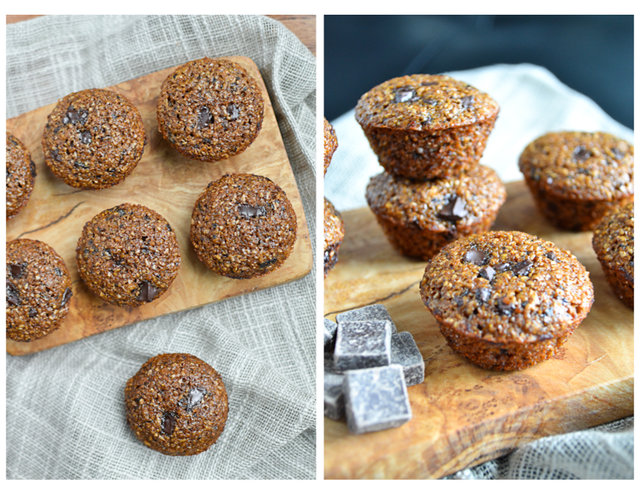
210 109
176 404
243 226
506 300
427 126
333 235
38 289
613 243
577 177
419 218
93 139
128 255
21 175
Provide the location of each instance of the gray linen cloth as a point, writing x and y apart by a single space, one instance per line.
65 412
604 452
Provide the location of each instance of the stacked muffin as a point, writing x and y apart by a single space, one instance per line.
429 133
333 224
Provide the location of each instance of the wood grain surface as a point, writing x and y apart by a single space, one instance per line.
464 415
165 181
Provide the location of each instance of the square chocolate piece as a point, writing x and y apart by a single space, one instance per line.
329 335
333 396
375 312
376 399
362 344
405 352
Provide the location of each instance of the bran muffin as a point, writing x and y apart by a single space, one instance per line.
93 139
38 290
333 235
243 226
176 404
330 144
427 126
419 218
128 255
613 243
506 300
577 177
21 175
210 109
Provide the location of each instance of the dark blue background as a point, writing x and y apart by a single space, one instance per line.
591 54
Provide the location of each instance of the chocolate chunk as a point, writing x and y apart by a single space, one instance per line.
429 83
55 154
430 101
85 137
147 292
232 112
406 353
13 297
333 395
247 211
454 210
193 399
361 344
329 335
267 263
81 165
617 153
205 118
66 296
581 154
483 295
476 257
467 102
487 273
502 267
522 268
168 423
33 312
503 308
374 312
74 116
16 270
405 95
551 255
376 399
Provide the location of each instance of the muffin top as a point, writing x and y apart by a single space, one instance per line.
176 404
424 102
21 175
210 109
330 143
333 225
93 139
38 289
613 240
243 226
437 205
128 254
580 165
507 287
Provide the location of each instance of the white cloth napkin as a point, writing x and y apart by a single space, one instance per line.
532 102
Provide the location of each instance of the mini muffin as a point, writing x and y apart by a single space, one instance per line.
210 109
21 175
38 290
419 218
506 300
128 255
577 177
613 244
243 226
427 126
176 404
330 144
333 235
93 139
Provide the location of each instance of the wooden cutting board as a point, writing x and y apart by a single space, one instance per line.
165 181
464 415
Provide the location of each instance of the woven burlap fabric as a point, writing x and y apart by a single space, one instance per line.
65 412
532 101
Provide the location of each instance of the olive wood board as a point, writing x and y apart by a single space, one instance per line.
464 415
166 182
